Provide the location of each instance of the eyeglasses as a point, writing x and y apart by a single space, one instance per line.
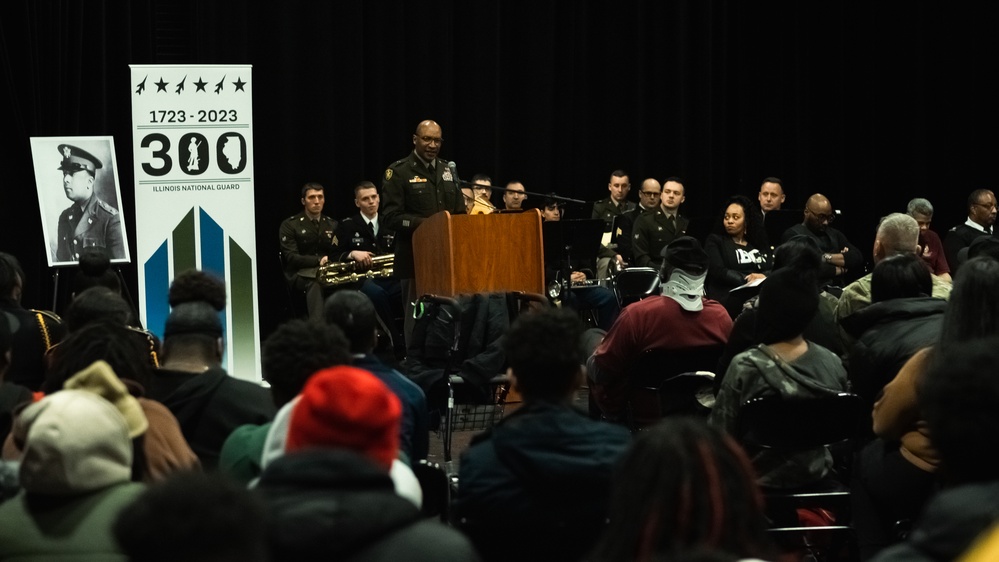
435 140
821 217
651 193
987 206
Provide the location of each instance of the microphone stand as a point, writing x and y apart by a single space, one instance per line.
557 198
453 168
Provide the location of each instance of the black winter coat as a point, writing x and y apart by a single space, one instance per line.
888 333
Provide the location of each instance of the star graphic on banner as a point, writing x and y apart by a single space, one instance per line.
218 87
180 87
239 85
141 86
200 84
161 85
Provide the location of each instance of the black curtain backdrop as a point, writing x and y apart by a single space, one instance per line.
870 103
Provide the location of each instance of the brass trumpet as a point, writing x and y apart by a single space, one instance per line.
339 273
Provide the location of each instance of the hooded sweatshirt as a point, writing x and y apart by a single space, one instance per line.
334 504
544 469
75 472
759 372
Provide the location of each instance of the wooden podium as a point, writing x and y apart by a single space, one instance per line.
457 254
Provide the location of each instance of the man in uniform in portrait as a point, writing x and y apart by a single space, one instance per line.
89 221
413 189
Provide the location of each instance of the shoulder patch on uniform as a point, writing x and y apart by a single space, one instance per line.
388 173
111 210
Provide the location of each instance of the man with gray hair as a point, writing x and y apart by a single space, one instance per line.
897 234
930 247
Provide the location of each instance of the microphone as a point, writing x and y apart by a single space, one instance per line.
454 172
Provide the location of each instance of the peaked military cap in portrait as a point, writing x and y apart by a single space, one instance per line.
75 159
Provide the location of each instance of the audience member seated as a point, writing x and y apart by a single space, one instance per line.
542 475
958 398
162 449
680 319
101 380
354 314
901 320
840 259
330 496
193 517
12 396
288 357
75 476
208 402
101 305
738 253
784 365
34 332
896 474
403 478
931 248
800 253
897 234
97 304
95 271
981 217
684 487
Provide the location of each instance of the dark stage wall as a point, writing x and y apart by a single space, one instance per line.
871 103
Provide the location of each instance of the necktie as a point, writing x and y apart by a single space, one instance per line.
374 227
433 170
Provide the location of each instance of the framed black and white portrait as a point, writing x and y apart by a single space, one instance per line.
79 198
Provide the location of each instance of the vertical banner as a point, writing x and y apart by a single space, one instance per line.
193 144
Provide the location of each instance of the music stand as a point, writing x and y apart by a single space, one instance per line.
571 242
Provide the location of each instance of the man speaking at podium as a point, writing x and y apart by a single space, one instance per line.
413 189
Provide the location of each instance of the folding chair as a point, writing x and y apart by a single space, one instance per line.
635 283
436 487
295 302
664 382
795 424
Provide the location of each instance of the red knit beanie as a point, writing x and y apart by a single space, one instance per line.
349 408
